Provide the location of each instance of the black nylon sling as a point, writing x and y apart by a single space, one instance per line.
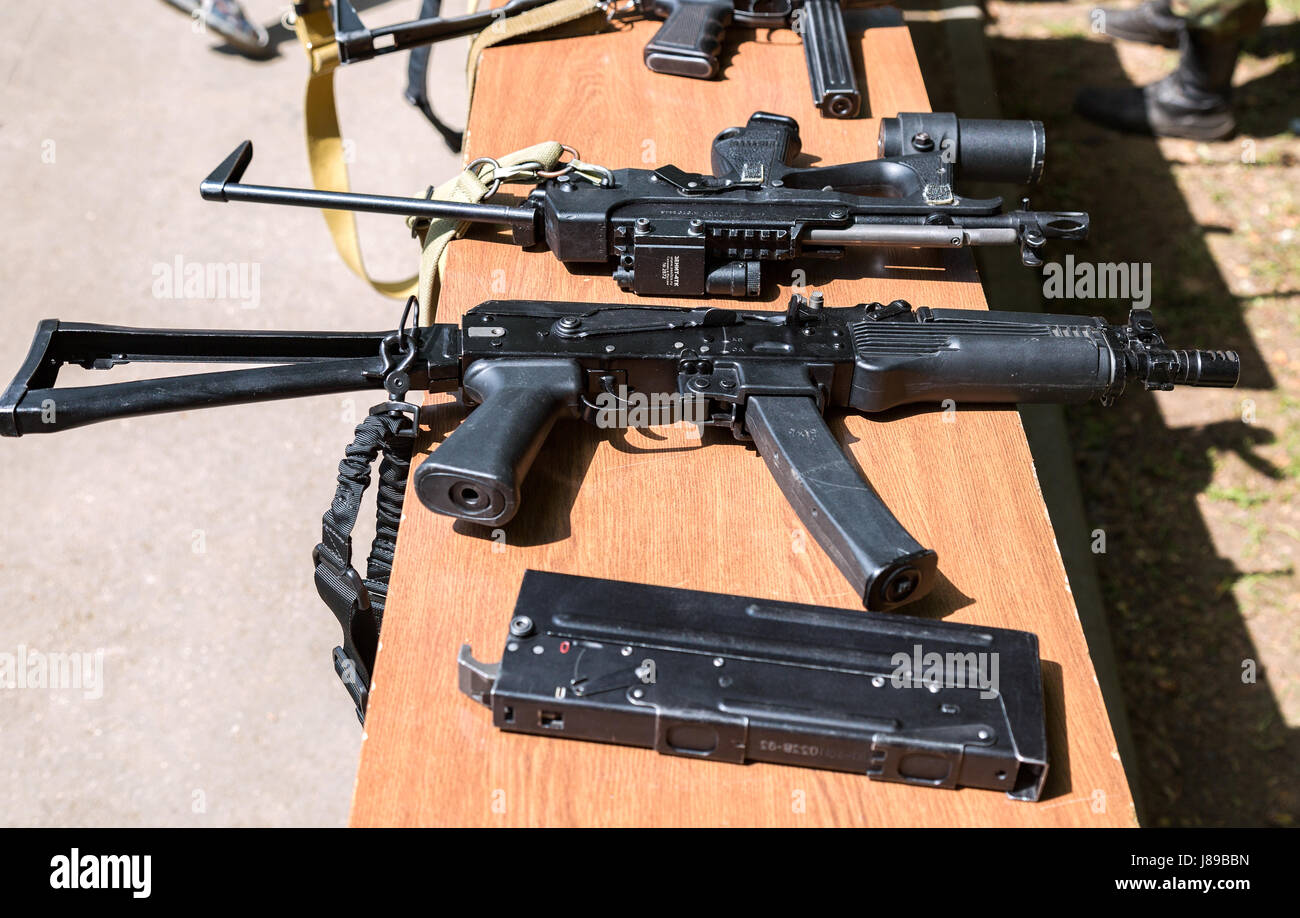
358 603
417 83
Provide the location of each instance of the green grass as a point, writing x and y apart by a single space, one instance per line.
1237 495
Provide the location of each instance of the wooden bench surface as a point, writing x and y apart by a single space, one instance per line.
658 507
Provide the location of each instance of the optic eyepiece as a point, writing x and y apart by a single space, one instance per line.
983 149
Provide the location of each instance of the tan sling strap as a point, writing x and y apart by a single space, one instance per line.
581 16
471 186
314 26
329 172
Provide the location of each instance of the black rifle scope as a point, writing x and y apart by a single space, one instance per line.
984 149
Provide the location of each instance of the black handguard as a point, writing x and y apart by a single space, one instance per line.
688 42
959 356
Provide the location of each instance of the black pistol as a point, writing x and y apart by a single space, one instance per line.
688 42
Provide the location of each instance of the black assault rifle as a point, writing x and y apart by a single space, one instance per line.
669 232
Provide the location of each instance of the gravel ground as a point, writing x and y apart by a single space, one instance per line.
1195 490
171 554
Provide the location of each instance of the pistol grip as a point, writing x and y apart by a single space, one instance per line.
688 42
849 520
476 473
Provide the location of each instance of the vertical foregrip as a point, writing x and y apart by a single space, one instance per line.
830 65
849 520
476 473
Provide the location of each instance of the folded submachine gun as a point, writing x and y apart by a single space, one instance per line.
765 376
669 232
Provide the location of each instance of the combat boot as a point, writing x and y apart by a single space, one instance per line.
1193 102
1153 23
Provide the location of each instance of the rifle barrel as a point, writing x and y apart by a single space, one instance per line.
419 32
499 214
357 43
920 234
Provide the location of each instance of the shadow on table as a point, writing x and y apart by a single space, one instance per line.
1210 748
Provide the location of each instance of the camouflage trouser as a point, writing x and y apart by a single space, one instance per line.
1229 18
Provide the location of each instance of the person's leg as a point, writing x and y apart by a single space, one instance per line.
227 19
1195 100
1153 22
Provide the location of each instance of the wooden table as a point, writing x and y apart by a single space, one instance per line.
657 507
